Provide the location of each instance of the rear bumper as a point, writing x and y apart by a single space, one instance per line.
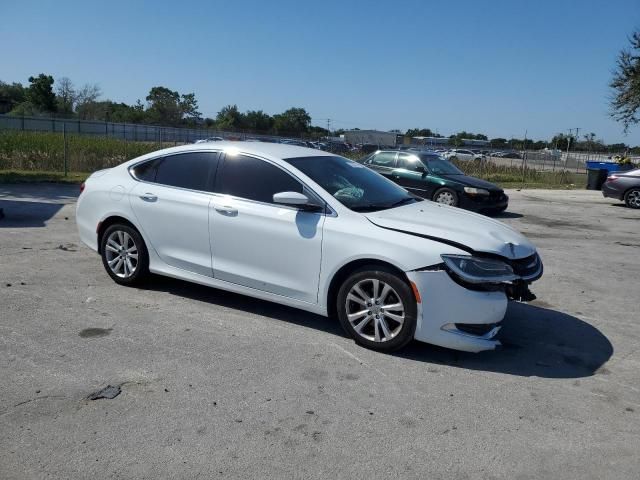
610 192
86 224
445 304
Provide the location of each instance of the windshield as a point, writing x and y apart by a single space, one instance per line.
439 166
352 184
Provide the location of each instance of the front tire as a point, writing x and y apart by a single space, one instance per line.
376 307
124 254
446 196
632 198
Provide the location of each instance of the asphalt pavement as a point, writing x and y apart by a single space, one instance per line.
208 384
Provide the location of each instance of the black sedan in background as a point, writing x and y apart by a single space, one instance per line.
624 186
430 176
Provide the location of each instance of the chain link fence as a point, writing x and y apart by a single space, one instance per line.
62 145
40 144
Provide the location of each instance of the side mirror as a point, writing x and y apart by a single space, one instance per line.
295 199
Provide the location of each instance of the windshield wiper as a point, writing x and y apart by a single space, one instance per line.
402 202
372 207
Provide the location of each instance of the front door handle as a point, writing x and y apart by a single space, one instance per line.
226 209
149 197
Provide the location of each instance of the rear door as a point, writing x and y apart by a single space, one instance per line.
412 175
382 162
257 243
171 204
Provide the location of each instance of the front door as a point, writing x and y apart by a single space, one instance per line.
257 243
412 175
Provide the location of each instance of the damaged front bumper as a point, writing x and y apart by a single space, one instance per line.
446 308
464 316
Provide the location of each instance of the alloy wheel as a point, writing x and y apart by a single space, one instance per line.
375 310
633 198
121 254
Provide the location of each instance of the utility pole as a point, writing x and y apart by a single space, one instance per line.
328 128
524 157
566 159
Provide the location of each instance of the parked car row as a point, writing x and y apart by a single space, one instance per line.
507 154
316 231
328 146
464 155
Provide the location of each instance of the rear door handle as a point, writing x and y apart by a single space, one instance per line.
225 209
149 197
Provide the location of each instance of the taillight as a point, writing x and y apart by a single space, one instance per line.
82 187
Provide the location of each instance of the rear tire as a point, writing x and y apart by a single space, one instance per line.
632 198
376 307
124 254
446 196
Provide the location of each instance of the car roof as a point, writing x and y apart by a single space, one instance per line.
272 151
414 151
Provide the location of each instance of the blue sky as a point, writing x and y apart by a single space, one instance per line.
499 67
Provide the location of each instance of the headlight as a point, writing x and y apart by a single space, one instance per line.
476 191
479 270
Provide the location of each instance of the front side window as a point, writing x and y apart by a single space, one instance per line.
352 184
254 179
184 170
410 162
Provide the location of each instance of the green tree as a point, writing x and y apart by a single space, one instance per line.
258 121
420 132
163 106
229 118
319 132
168 107
189 108
560 141
294 121
11 95
499 142
625 101
40 93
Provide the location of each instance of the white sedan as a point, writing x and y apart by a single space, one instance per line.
311 230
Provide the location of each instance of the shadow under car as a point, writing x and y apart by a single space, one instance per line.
536 341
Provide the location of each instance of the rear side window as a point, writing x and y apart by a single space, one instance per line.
254 179
185 170
384 159
145 171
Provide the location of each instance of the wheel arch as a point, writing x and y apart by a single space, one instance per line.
345 270
633 187
112 220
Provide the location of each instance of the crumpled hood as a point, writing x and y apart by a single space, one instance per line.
455 226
